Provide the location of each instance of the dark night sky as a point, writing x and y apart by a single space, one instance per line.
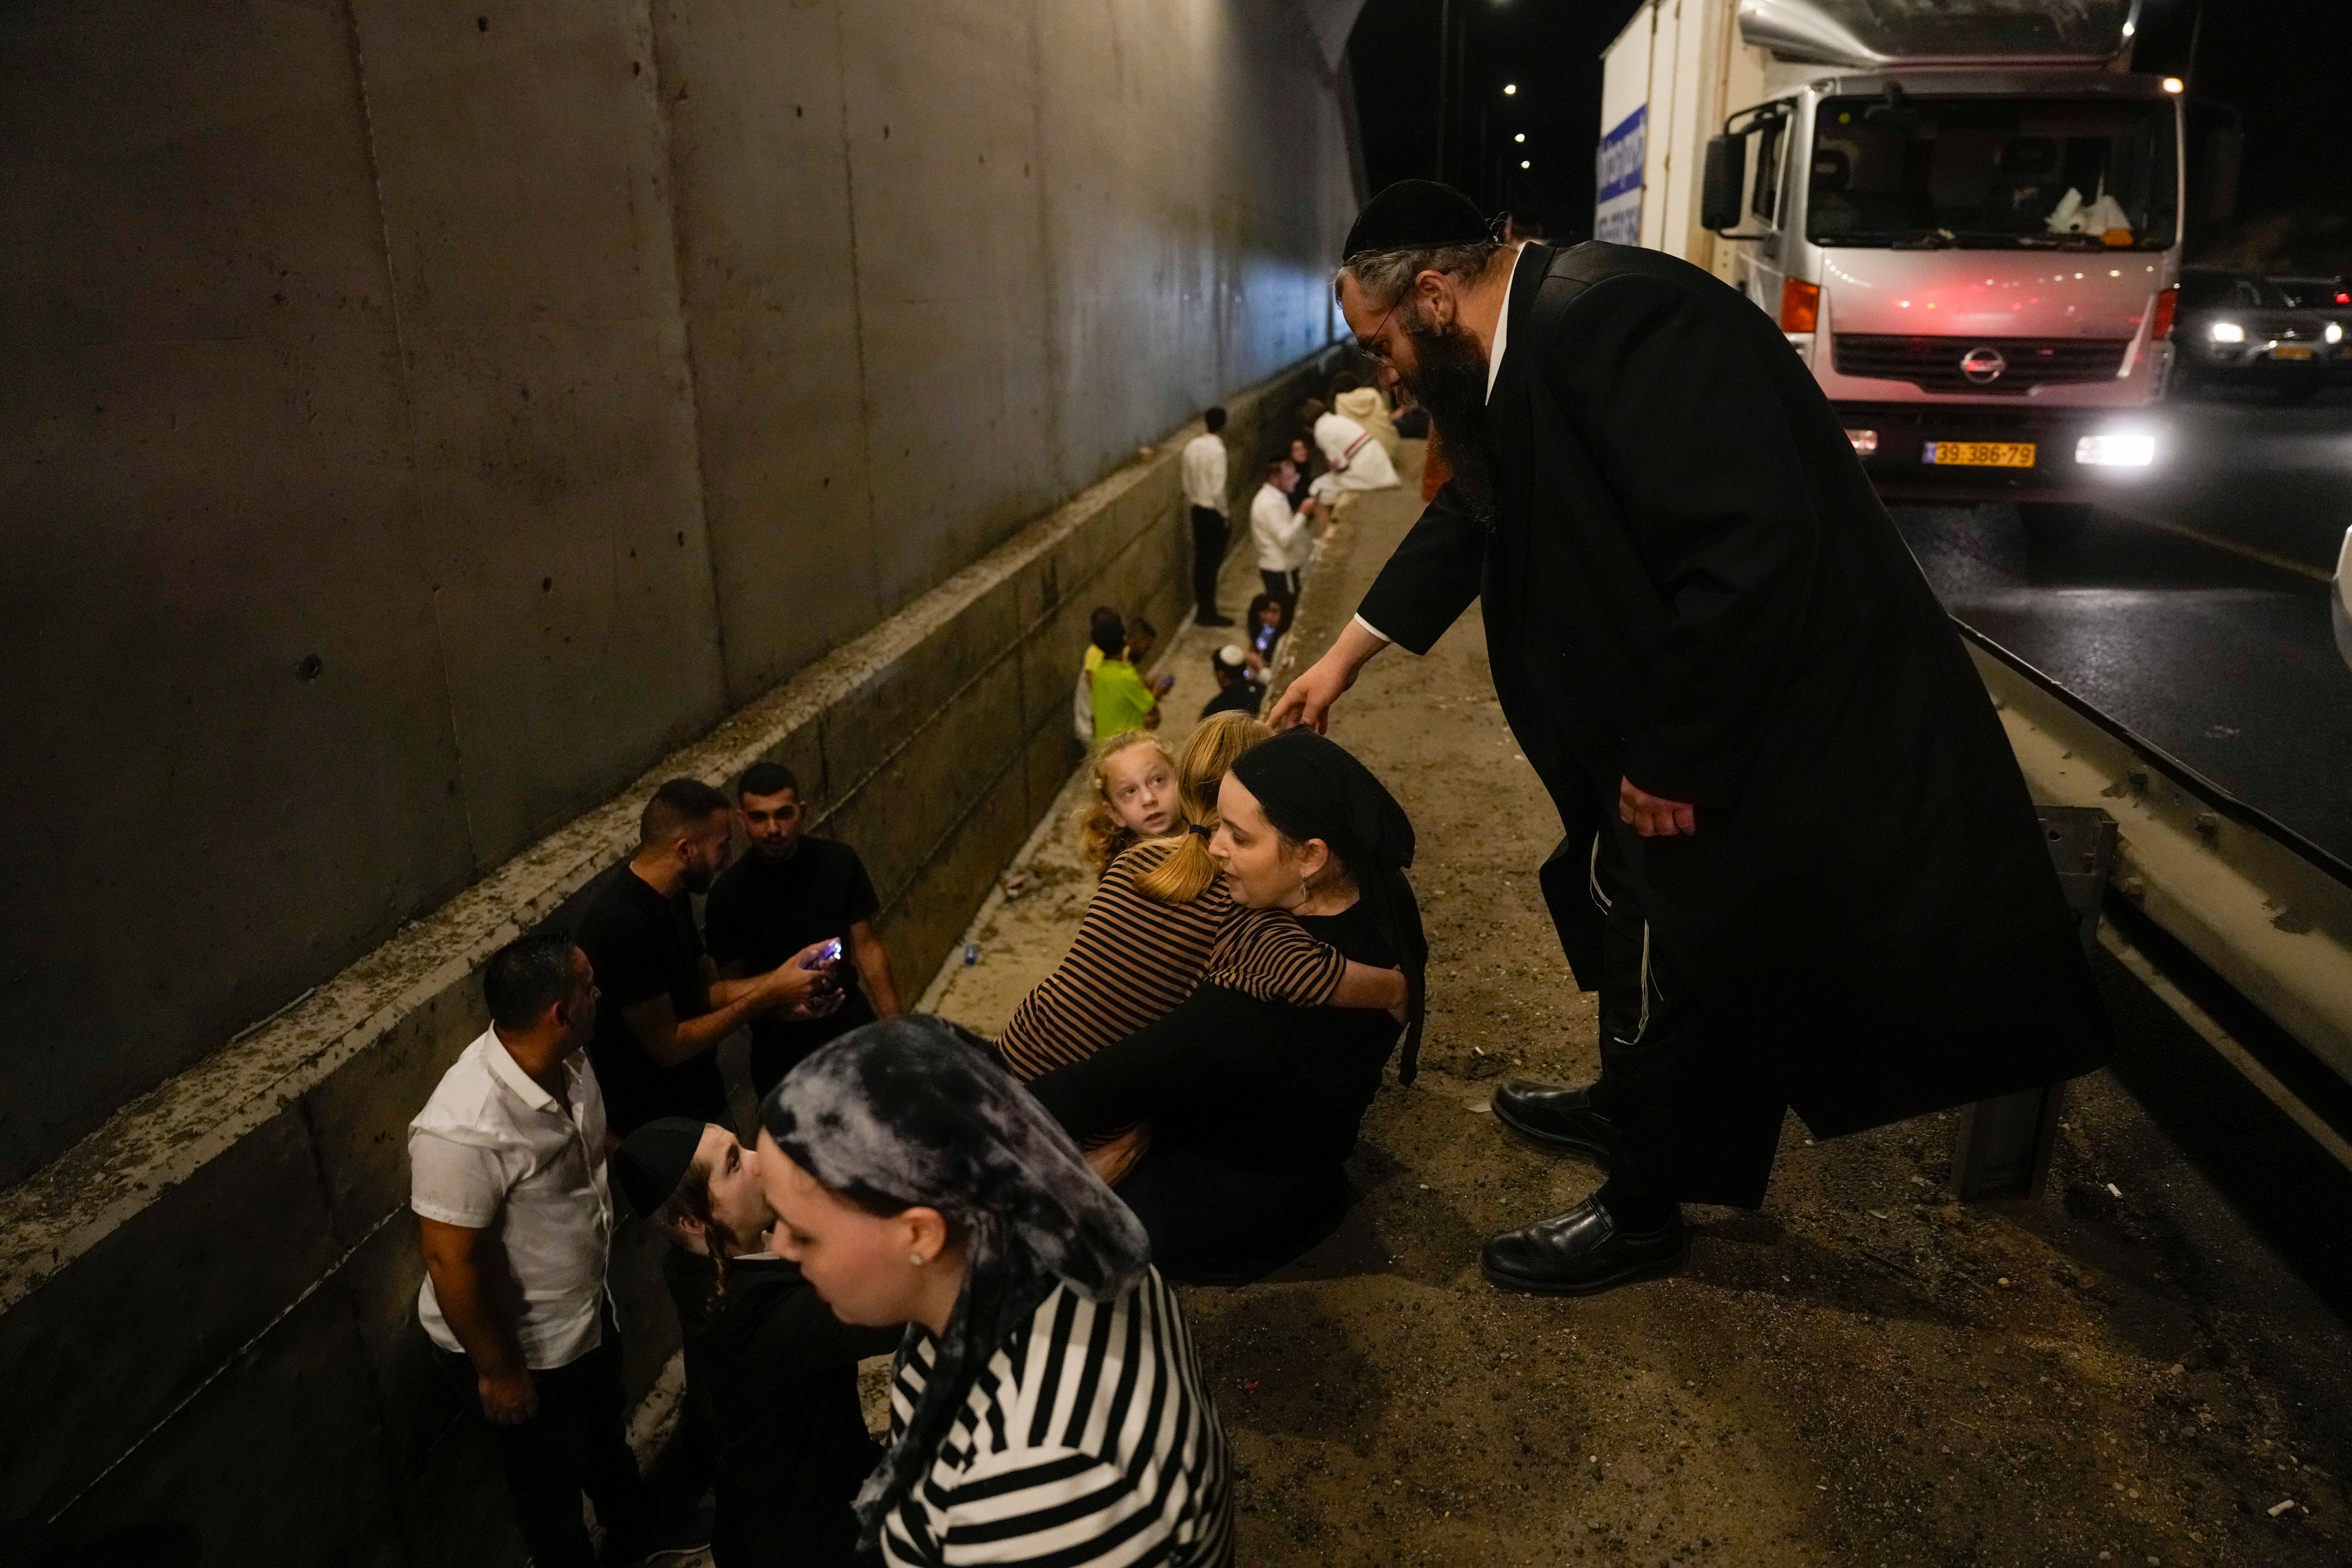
2285 64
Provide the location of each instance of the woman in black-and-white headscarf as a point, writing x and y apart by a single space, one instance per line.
915 1182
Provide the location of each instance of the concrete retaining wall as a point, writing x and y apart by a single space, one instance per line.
415 420
207 1307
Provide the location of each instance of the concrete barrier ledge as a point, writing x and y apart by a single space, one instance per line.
211 1285
155 1142
2262 912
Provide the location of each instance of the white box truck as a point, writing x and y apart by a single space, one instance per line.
1966 215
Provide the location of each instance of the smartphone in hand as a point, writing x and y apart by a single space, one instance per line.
830 954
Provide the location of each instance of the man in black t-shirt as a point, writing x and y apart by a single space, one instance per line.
665 1007
789 891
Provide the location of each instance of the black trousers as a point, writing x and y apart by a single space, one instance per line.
1208 556
577 1443
1699 1123
1282 586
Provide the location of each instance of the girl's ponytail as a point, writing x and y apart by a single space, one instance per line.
1190 870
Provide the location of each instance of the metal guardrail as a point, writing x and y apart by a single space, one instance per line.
2002 1147
2265 909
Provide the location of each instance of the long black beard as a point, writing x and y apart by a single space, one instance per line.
1449 379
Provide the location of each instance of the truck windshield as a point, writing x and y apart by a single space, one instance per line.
1991 172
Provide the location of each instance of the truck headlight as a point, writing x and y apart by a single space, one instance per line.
2226 332
2116 449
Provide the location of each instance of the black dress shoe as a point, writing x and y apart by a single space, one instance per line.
1582 1252
1213 620
1560 1119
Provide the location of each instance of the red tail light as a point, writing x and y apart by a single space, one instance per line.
2343 299
2160 328
1800 306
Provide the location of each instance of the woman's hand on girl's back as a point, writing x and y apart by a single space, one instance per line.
1114 1160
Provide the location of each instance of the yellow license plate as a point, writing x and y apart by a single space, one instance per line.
1980 454
2292 350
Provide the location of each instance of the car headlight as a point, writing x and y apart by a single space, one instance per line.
2334 333
2226 332
2116 449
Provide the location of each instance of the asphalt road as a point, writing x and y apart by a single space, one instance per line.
2195 614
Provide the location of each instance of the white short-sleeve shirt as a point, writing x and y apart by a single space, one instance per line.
492 1150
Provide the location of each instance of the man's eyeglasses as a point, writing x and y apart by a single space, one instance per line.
1371 347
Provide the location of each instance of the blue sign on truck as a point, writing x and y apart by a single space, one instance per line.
1617 171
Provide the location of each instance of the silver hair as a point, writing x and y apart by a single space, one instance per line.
1385 275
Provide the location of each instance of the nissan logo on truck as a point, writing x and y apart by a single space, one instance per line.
1983 366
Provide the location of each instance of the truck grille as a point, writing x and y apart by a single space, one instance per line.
1933 364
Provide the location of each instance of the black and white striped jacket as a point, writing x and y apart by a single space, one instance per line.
1089 1439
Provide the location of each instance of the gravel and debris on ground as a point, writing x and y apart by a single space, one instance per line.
1865 1373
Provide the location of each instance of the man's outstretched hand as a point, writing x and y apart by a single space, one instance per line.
1308 700
1655 817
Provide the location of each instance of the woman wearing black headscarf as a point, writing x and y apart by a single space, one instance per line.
1255 1105
1046 1400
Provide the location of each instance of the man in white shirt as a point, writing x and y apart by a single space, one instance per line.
1352 460
506 1177
1204 493
1285 539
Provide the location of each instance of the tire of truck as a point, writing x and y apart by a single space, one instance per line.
2053 522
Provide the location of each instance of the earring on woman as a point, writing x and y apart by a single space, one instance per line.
916 1258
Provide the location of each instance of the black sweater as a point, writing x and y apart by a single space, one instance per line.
1254 1107
777 1373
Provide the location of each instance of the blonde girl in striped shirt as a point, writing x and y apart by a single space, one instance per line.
1162 921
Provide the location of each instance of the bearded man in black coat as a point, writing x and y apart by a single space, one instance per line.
1798 863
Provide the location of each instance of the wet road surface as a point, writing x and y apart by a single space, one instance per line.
2194 614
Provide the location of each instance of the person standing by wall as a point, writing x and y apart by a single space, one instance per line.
1799 862
1285 540
776 1372
1204 493
508 1183
666 1004
790 892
